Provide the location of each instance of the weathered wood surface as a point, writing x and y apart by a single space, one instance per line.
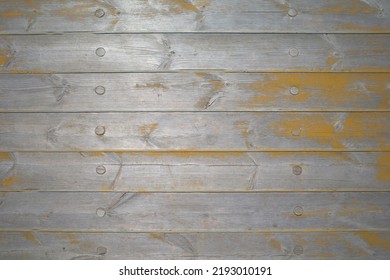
195 16
174 52
195 171
296 245
194 212
207 91
209 131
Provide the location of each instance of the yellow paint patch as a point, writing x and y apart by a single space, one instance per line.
157 236
34 4
183 6
276 244
373 239
245 131
352 7
152 86
333 132
148 129
328 89
383 167
71 238
11 14
5 157
94 154
5 57
10 181
31 237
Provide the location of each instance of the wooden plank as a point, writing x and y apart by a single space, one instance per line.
207 131
195 16
206 91
195 171
194 212
298 245
175 52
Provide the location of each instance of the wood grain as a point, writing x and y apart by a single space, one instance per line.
194 212
207 91
327 16
178 52
195 171
165 245
195 131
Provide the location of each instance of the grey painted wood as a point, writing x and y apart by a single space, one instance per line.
208 91
195 171
174 52
194 212
194 131
298 245
195 16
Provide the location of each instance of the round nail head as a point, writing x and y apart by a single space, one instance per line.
100 90
99 13
101 212
100 170
297 170
100 52
294 90
292 12
101 250
298 211
298 250
100 130
293 52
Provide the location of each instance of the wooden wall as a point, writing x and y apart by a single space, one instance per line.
185 129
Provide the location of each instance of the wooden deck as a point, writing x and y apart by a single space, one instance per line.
195 129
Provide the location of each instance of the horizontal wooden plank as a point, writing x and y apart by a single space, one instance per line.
207 131
194 16
194 212
195 171
174 52
305 245
207 91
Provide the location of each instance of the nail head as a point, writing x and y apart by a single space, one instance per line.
100 130
99 13
297 170
101 212
100 52
298 211
293 52
292 12
100 90
101 250
298 250
100 170
294 90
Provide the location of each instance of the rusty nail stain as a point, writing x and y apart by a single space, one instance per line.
294 90
101 250
298 211
100 52
101 212
298 250
100 130
100 90
100 170
292 12
293 52
99 13
297 170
